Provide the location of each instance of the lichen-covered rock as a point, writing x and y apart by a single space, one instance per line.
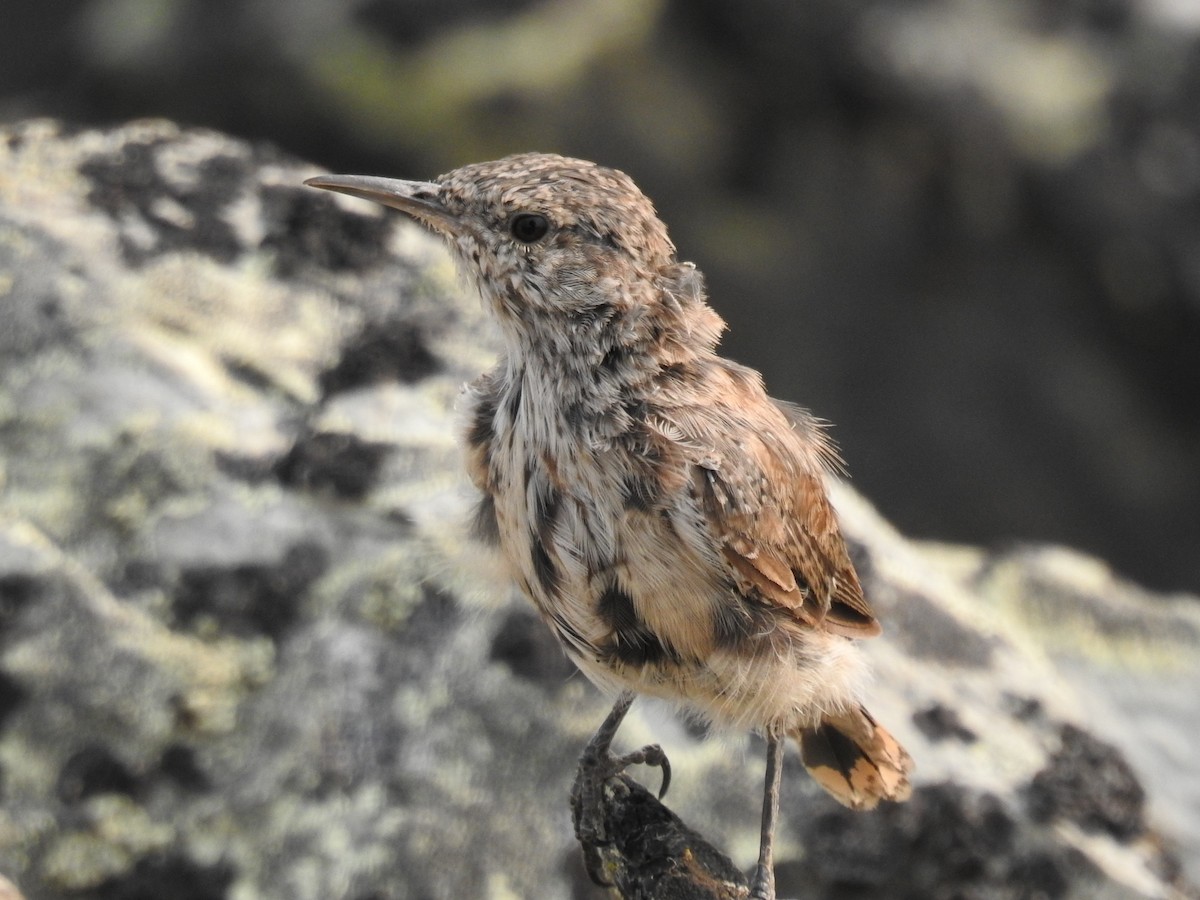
245 652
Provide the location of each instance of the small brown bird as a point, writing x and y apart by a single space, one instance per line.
667 518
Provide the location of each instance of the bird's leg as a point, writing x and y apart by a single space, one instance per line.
597 764
763 887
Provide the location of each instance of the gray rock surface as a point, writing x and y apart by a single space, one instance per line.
245 652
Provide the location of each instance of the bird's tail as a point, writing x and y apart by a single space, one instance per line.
856 759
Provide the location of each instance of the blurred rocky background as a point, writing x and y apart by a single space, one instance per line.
968 233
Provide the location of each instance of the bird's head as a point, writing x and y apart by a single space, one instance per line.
570 256
539 233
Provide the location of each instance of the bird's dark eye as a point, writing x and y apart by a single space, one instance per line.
528 227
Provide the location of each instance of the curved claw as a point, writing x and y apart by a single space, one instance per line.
650 755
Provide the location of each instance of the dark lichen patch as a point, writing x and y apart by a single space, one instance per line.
381 352
178 764
248 373
94 770
402 519
176 215
931 633
944 842
40 311
124 179
169 875
427 623
17 591
12 695
241 467
941 723
1038 875
1088 782
1024 709
251 599
306 228
530 650
134 574
335 462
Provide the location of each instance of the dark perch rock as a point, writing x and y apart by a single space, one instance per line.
653 854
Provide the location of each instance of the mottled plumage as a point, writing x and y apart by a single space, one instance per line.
669 521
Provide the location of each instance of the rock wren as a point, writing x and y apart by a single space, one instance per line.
667 518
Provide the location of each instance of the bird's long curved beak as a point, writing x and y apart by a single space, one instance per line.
418 199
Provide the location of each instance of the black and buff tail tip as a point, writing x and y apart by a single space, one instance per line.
860 770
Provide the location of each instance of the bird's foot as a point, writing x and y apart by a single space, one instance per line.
763 886
587 795
597 764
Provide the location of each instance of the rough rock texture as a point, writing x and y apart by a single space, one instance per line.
648 853
245 652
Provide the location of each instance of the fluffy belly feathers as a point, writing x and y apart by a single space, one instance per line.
639 599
